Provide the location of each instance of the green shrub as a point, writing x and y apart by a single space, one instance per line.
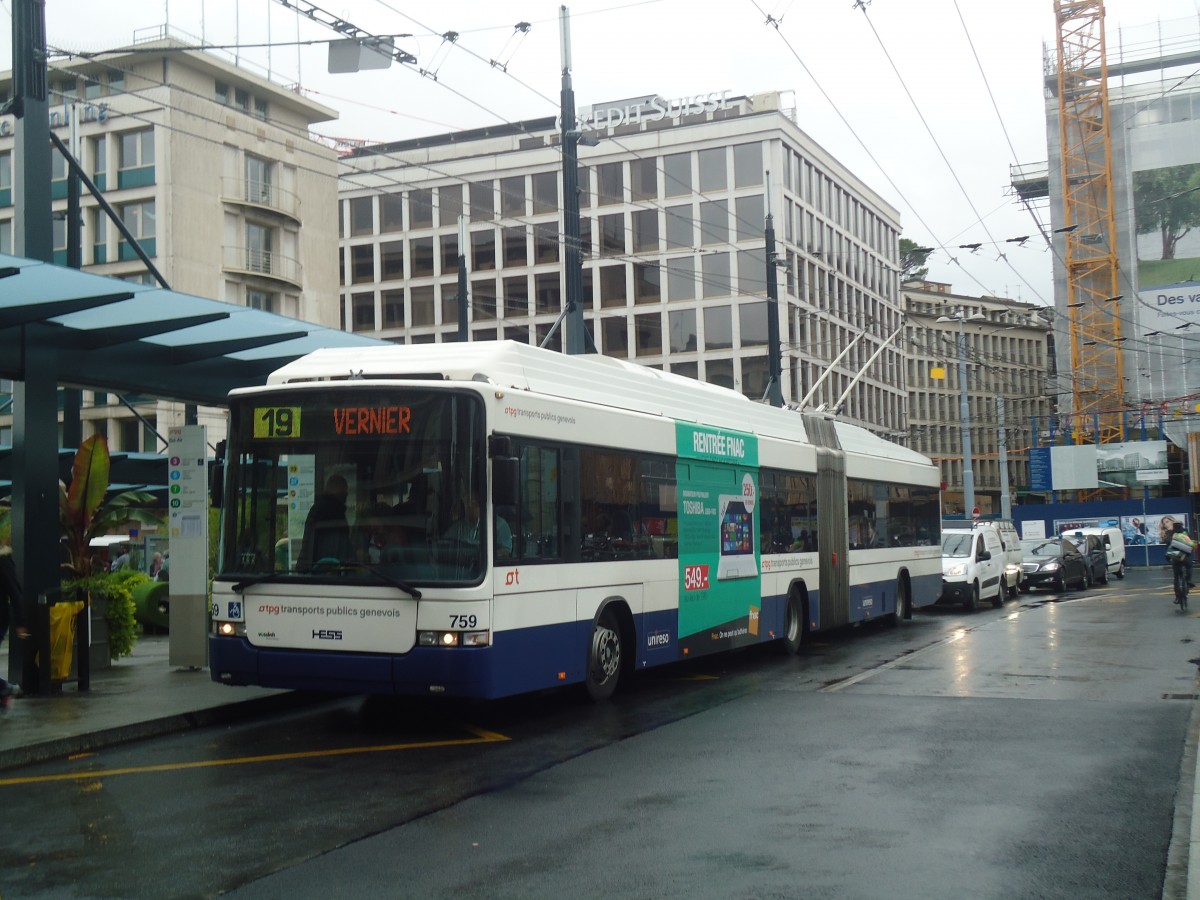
117 588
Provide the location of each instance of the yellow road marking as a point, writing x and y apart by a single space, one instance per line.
481 736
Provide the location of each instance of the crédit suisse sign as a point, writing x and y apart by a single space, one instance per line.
649 109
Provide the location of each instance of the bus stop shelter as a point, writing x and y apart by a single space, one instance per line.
61 326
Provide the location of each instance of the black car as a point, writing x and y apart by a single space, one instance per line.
1052 563
1092 548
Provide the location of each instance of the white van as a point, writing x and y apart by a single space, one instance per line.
973 562
1012 554
1114 546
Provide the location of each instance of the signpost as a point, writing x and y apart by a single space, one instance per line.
187 477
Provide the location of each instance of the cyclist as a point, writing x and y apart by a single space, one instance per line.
1180 554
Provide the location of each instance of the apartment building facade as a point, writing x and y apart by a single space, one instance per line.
212 170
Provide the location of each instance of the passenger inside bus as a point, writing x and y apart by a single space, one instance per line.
326 530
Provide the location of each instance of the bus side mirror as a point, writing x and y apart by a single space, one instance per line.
216 478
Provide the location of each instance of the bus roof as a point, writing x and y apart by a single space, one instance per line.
590 378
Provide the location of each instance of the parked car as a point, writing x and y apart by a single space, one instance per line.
972 566
1053 563
1093 551
1013 557
1113 540
1009 556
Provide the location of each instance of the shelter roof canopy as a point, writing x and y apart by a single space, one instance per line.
105 333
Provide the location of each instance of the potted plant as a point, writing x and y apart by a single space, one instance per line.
86 511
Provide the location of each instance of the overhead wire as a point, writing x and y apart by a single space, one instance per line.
937 144
499 221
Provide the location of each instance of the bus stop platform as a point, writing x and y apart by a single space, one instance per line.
139 696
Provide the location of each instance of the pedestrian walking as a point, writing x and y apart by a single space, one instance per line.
11 615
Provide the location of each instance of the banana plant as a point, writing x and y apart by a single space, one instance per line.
84 511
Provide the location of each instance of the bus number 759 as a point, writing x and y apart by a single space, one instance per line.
457 621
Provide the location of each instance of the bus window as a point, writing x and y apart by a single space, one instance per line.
789 519
539 507
628 506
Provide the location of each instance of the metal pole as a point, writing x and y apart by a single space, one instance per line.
1005 499
463 302
573 258
35 400
965 412
774 351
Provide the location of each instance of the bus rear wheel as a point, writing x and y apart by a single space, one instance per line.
795 625
604 657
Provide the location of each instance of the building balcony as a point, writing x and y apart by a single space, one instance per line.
263 264
261 195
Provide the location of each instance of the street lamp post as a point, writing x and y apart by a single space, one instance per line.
964 408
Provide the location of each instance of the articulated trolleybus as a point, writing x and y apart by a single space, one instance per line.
486 519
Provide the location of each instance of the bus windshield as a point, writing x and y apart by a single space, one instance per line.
378 485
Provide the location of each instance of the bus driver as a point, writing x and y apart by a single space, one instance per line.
465 530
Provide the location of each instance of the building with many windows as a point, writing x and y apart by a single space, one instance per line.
674 195
1008 350
212 170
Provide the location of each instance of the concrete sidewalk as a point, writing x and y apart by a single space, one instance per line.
139 696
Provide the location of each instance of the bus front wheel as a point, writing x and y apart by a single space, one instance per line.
604 657
903 604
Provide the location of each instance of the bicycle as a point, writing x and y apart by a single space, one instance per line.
1179 568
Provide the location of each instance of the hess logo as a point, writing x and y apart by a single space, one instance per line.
326 634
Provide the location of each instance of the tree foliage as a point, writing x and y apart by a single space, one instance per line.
912 261
1167 201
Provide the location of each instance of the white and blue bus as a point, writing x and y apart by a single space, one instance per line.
630 518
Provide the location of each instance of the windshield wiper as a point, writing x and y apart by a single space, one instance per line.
244 583
413 592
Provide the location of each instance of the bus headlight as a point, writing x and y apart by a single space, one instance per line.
453 638
229 629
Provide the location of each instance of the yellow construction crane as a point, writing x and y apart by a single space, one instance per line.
1093 270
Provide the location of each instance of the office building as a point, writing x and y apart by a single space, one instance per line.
674 194
1008 350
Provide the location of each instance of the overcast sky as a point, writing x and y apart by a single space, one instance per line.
929 102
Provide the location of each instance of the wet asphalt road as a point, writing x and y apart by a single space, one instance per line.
1036 753
1031 751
